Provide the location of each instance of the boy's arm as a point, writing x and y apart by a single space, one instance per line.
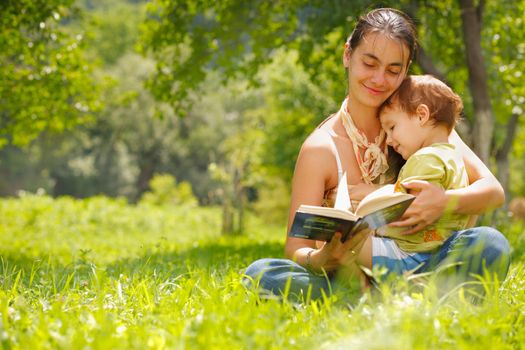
422 167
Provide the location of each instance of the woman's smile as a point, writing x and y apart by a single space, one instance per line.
374 91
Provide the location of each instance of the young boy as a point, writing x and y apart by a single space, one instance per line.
418 119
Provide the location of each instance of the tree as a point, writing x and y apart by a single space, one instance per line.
45 83
507 63
236 37
471 20
464 45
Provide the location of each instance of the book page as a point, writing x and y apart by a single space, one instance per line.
383 197
342 200
383 216
328 212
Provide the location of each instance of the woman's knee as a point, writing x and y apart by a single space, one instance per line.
269 273
491 247
494 244
257 267
255 272
280 275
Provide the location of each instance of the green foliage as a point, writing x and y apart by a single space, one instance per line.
113 26
189 40
236 38
259 77
295 105
187 37
65 228
103 274
45 82
164 190
441 36
273 200
507 63
517 164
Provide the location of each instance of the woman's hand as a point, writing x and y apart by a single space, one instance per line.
360 191
429 205
335 253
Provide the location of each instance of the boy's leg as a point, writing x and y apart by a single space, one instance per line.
386 254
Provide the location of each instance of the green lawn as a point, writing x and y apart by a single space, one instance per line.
102 274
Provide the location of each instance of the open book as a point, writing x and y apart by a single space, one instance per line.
377 209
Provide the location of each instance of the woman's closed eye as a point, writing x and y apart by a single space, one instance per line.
394 72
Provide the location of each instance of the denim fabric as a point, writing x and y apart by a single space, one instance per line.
283 276
387 254
472 252
469 252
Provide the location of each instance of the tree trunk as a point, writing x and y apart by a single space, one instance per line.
239 198
147 164
227 218
240 213
502 155
484 119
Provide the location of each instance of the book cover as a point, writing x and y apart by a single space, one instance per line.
377 209
321 227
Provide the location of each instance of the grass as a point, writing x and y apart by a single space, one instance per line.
101 274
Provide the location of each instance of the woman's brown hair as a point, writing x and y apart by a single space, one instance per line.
394 23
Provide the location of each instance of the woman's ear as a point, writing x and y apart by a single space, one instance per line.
423 114
346 55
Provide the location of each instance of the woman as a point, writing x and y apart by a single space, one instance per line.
377 57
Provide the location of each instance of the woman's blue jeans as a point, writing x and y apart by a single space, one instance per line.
465 254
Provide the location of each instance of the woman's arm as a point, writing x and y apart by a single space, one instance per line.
308 186
311 174
483 193
314 170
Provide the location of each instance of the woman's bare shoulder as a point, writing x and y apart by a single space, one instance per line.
317 144
316 158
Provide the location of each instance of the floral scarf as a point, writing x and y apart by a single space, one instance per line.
373 163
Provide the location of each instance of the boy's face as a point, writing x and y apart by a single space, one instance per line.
404 132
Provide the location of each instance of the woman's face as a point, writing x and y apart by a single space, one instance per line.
376 68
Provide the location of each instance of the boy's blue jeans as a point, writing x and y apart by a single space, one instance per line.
470 252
